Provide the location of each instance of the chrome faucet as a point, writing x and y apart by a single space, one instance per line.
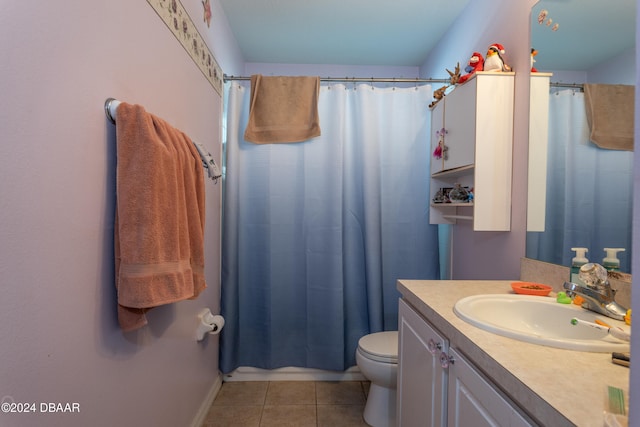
596 291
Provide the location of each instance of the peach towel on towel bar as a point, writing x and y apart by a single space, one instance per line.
283 109
159 224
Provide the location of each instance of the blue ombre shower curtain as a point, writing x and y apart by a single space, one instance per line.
315 234
589 190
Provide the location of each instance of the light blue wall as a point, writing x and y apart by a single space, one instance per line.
328 70
223 43
618 70
492 255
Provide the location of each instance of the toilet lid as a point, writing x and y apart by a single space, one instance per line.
380 346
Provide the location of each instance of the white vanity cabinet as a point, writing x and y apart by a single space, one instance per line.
422 383
438 387
477 118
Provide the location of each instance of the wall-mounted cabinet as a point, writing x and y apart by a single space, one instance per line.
538 148
474 122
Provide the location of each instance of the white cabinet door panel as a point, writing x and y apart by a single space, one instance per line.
473 401
421 379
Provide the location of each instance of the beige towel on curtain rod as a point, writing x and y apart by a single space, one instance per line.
159 224
283 109
610 113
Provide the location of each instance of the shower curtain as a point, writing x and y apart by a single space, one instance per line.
589 190
315 234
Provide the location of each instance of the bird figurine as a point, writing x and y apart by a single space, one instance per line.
533 54
494 60
476 63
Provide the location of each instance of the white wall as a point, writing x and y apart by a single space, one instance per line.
492 255
60 338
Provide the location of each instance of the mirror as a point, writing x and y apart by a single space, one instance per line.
583 41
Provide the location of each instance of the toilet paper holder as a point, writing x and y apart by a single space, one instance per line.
208 324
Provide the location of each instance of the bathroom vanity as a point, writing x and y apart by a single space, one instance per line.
520 383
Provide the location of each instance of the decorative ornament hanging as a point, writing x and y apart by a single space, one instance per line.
441 150
543 18
207 12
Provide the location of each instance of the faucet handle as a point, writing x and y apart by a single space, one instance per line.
594 275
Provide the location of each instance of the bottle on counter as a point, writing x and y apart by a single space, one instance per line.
611 261
578 261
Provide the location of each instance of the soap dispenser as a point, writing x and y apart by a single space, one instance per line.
578 261
611 261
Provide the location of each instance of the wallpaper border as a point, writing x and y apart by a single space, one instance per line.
176 18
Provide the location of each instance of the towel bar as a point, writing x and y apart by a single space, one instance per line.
110 107
213 171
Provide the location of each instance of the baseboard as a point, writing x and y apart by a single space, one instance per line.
245 373
208 401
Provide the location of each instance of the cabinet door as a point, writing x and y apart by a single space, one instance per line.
455 113
460 124
475 402
494 148
421 380
437 123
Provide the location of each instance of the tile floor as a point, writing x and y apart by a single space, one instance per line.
289 403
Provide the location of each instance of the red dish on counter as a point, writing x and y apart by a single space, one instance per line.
530 288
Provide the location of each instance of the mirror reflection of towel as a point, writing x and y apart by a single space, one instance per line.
283 109
610 112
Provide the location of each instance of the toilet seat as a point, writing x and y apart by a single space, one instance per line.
380 346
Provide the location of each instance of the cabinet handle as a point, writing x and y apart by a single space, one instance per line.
446 360
432 346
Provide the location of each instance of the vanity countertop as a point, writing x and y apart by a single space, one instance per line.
556 387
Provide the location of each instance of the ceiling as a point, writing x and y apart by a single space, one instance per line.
340 32
403 32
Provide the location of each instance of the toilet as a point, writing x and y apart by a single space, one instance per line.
377 358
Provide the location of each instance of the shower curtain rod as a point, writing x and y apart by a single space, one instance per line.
360 79
395 80
571 85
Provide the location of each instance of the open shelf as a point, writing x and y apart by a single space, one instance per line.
454 173
463 217
452 205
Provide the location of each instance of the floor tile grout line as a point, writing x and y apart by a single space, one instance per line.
362 387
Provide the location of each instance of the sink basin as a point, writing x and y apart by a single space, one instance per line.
539 320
